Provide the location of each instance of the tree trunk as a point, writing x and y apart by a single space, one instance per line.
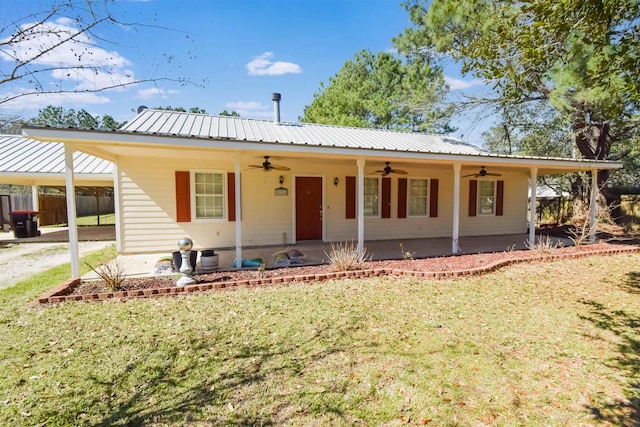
593 139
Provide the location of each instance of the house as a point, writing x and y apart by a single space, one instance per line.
236 182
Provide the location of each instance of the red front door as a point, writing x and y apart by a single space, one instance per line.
308 208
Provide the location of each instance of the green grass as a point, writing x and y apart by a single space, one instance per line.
541 344
105 219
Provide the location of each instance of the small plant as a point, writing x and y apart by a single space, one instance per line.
406 254
111 273
346 257
543 245
261 269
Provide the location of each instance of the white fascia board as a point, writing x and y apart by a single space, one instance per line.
85 137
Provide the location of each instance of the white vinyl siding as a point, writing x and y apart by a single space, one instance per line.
371 197
208 195
418 197
486 197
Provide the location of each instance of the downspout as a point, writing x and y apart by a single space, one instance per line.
237 207
71 210
455 235
117 203
361 163
533 185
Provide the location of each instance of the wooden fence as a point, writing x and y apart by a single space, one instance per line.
53 208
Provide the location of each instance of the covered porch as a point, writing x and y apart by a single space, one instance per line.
315 252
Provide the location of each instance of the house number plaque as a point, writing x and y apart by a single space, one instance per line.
281 191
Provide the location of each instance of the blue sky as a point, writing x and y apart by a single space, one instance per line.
235 53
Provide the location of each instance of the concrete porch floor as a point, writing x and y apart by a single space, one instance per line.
315 252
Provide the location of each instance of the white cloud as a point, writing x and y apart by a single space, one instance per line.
76 63
154 92
252 109
457 84
41 44
246 105
42 100
263 66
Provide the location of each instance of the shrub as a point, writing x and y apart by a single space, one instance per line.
345 256
111 273
542 245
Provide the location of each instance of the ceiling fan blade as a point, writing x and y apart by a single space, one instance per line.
493 174
399 171
280 168
475 175
256 166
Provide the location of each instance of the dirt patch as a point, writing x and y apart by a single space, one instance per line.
21 260
460 263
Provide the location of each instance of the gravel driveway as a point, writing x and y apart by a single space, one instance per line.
21 260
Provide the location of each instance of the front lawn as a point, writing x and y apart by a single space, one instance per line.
539 344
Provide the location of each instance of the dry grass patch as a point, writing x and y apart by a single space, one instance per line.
540 344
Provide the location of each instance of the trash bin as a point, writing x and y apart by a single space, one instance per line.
25 224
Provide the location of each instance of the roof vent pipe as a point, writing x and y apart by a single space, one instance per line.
276 107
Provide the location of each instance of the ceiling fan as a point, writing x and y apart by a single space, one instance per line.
267 166
481 173
389 170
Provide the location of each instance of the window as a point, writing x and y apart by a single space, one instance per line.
418 197
371 199
486 197
209 195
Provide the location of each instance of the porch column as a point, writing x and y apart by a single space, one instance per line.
71 210
236 158
34 200
117 206
533 185
455 247
593 205
361 163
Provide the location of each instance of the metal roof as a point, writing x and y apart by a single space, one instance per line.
173 123
28 156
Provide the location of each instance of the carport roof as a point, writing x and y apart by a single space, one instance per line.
31 162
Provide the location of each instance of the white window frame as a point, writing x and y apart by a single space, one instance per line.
410 197
194 195
480 196
377 198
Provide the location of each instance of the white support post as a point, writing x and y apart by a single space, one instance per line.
593 205
238 209
35 202
455 236
361 163
533 185
71 210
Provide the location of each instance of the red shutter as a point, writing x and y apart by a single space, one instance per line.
386 198
499 197
402 197
350 202
183 196
473 196
231 196
433 198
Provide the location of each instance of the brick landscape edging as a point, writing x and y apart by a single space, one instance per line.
63 291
